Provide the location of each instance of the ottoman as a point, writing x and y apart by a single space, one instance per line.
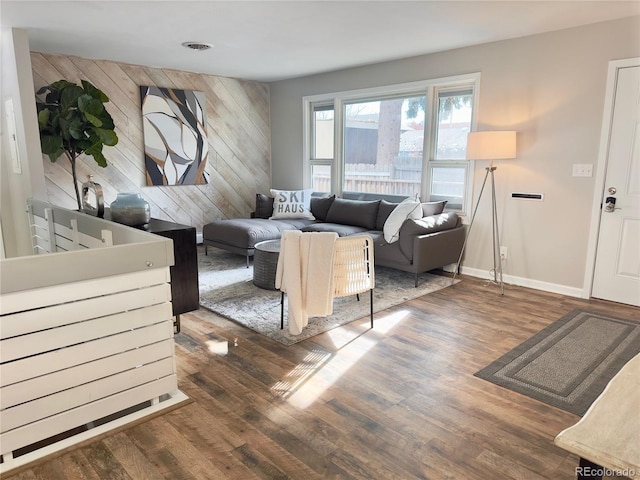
239 235
265 264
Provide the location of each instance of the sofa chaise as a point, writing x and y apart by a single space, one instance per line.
424 240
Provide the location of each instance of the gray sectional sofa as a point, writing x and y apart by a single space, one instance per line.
432 241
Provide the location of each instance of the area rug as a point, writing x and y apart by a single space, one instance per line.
226 288
569 363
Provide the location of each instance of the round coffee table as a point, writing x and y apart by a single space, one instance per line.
265 263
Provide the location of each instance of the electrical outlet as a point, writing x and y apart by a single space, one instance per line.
582 170
503 253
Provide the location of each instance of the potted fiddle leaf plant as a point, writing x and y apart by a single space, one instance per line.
73 121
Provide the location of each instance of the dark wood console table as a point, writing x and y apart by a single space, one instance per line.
185 295
184 274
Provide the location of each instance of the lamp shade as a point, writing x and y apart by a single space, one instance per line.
496 145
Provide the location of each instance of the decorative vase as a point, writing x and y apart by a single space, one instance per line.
130 209
92 193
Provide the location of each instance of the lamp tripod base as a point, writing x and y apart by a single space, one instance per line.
496 272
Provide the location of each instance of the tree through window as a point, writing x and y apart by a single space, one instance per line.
383 146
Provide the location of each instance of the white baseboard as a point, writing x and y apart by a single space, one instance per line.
523 282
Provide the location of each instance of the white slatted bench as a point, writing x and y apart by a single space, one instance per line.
86 332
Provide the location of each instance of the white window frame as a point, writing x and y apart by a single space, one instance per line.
429 87
431 144
309 144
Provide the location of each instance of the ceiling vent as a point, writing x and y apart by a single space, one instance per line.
198 46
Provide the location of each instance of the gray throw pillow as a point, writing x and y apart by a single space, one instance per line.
264 206
433 208
320 206
384 210
354 212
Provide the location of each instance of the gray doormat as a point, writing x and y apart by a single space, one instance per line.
569 363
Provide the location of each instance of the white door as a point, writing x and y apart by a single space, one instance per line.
617 266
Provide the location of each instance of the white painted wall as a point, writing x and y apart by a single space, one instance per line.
550 89
17 83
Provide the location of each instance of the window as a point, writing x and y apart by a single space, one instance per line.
383 146
448 165
395 142
322 147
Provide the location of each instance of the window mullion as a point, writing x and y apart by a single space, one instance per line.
337 169
428 151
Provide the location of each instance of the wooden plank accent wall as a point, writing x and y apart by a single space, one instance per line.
238 130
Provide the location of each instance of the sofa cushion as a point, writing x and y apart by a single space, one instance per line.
292 204
377 236
433 208
408 209
423 226
354 212
341 230
320 206
264 206
384 210
390 253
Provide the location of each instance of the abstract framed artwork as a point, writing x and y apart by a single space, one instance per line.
175 136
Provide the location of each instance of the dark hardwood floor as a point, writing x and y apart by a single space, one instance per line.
396 402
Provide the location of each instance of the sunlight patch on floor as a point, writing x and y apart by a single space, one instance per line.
386 323
326 375
301 373
219 347
319 370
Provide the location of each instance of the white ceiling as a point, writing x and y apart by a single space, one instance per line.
274 40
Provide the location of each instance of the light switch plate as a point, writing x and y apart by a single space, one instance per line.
13 140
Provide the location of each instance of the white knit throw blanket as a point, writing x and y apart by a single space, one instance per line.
305 274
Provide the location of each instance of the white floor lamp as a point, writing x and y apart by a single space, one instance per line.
496 145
